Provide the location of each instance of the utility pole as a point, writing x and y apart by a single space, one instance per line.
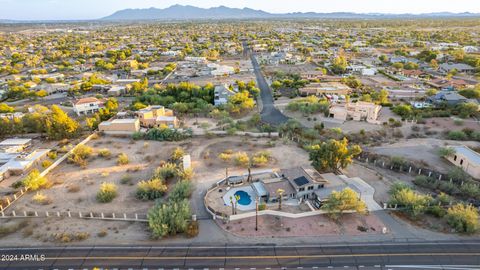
256 214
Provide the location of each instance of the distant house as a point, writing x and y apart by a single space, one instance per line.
155 116
359 111
362 70
16 157
471 49
221 94
320 89
462 68
116 90
467 159
415 73
452 84
120 126
220 70
87 105
451 98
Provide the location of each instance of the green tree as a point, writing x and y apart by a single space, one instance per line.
169 218
333 155
59 125
340 201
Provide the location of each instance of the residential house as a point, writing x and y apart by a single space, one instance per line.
358 111
452 84
451 98
459 67
116 90
325 88
87 105
467 159
156 116
221 94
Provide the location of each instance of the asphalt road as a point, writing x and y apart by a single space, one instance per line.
435 255
270 114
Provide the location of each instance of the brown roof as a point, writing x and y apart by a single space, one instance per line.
87 100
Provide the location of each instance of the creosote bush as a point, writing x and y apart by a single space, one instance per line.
107 192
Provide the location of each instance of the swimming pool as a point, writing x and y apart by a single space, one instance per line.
246 197
243 197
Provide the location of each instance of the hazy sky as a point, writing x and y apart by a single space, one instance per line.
92 9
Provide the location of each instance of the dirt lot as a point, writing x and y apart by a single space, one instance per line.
448 124
349 224
144 157
295 69
424 151
76 188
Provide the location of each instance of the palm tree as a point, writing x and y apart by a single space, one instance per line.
233 205
237 198
280 196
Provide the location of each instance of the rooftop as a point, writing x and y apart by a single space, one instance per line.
12 142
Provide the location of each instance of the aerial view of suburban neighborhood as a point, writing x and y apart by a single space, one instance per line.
227 135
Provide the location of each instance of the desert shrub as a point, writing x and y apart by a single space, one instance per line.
167 171
102 233
446 152
166 134
186 174
413 204
177 154
6 229
80 155
105 153
107 192
463 218
46 163
126 179
261 158
225 157
122 159
241 159
151 189
73 188
457 135
436 211
40 198
398 161
181 190
71 237
34 181
52 155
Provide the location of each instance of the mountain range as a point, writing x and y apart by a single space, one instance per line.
181 12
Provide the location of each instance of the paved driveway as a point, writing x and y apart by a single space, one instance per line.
270 114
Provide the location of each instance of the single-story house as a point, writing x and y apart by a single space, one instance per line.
120 126
467 159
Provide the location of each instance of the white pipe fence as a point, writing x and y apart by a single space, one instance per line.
135 217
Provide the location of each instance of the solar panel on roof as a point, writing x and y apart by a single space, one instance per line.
300 181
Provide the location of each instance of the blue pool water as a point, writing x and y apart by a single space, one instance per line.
244 198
